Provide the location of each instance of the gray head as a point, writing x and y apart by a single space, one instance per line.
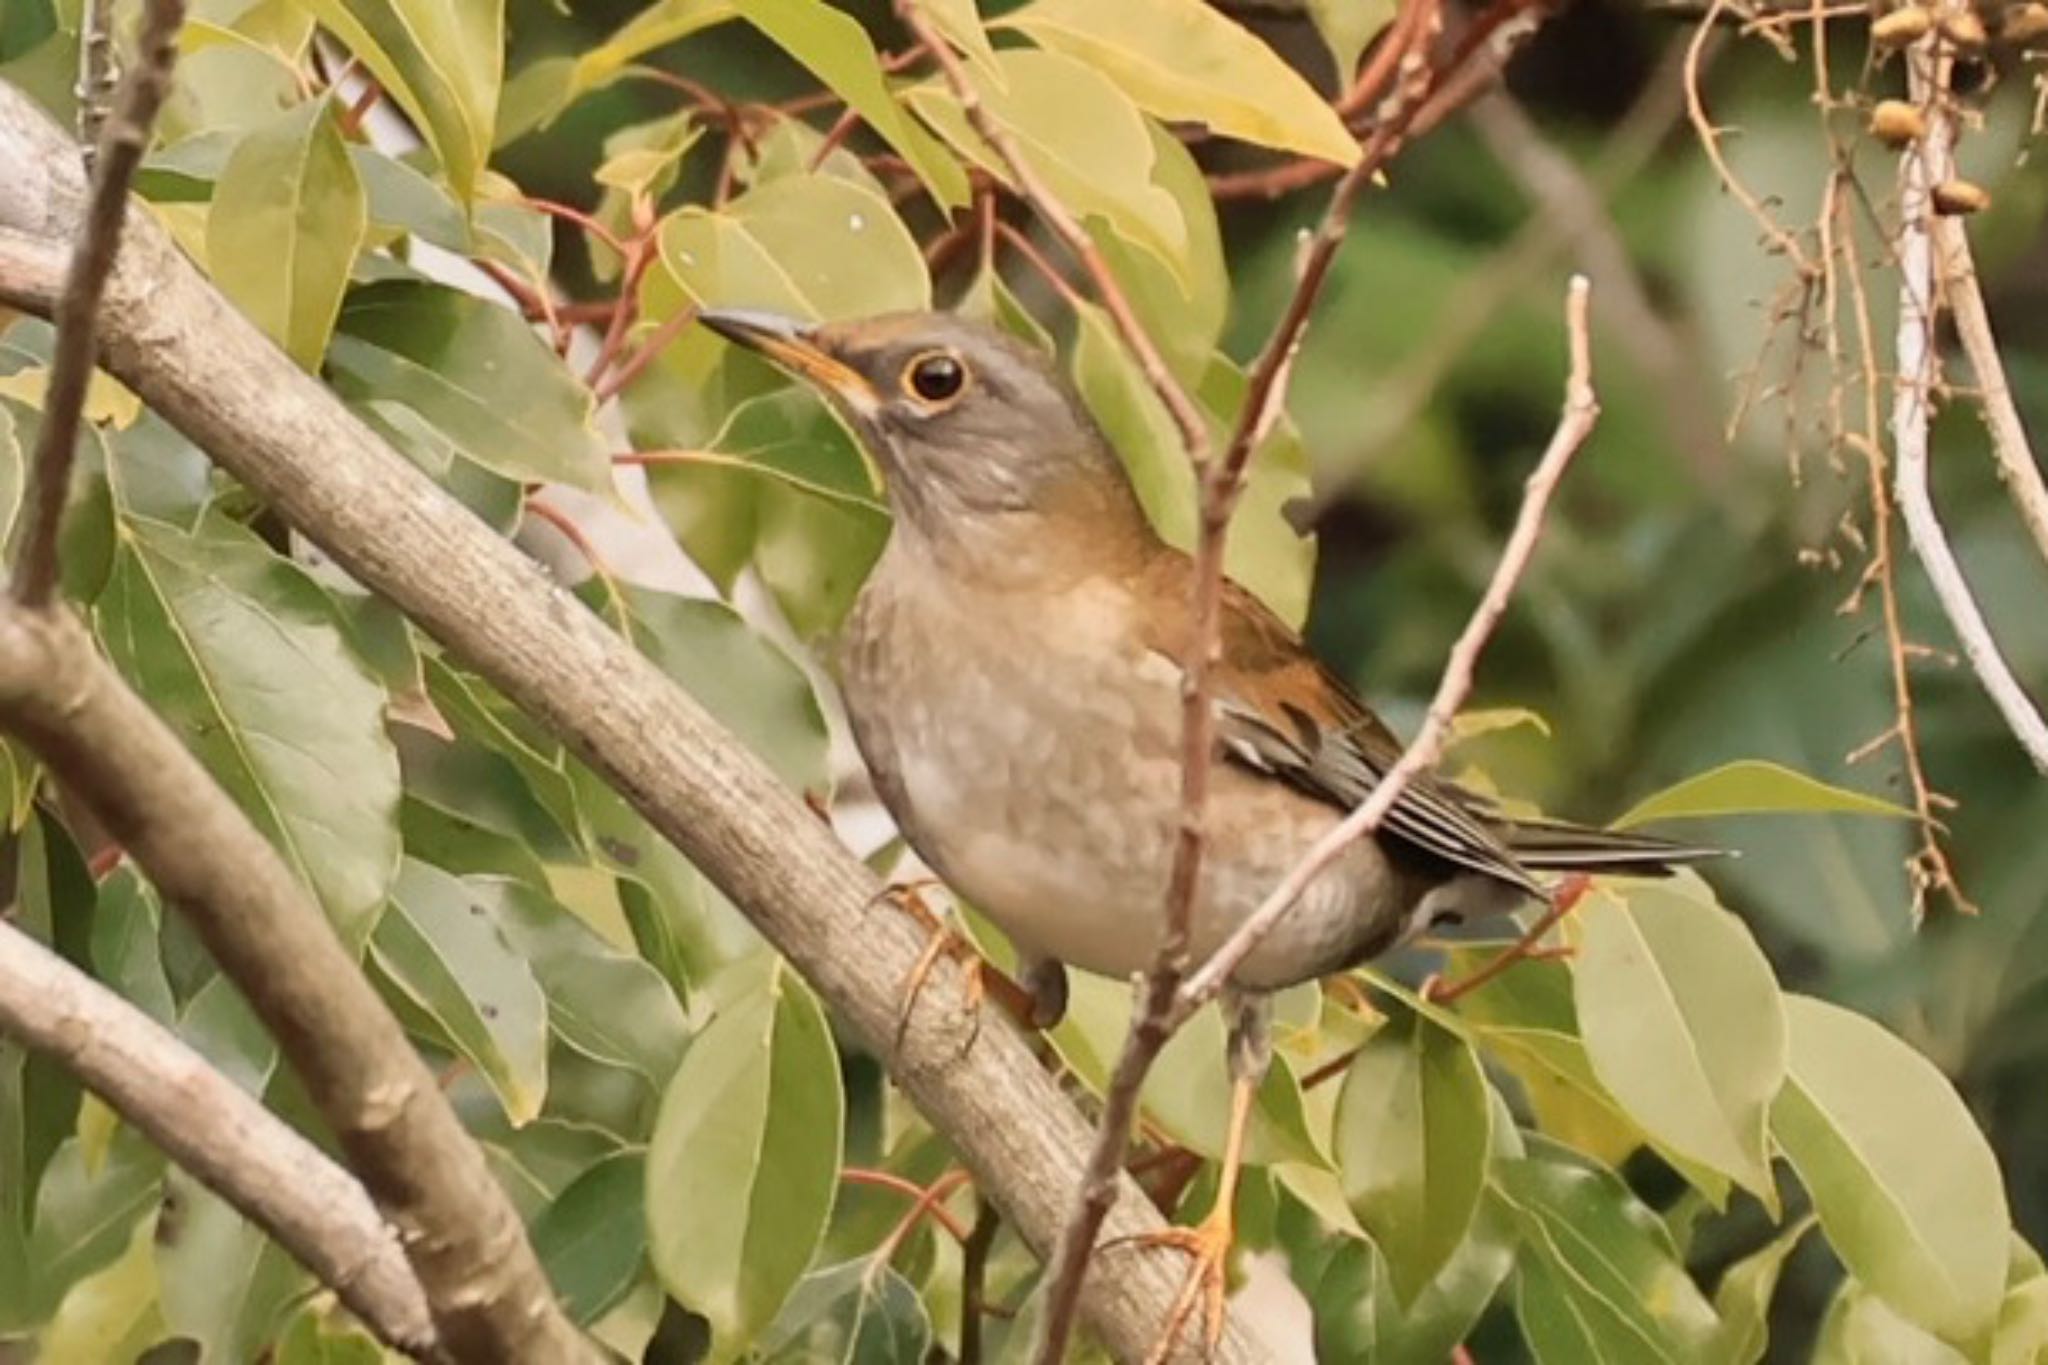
968 424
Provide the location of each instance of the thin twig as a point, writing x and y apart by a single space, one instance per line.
974 1254
219 1132
123 140
923 1201
97 74
1924 165
1581 409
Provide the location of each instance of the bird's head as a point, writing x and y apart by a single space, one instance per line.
973 429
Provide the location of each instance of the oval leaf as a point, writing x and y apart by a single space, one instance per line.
1906 1187
1753 787
591 1239
288 216
1184 61
206 625
476 374
745 1158
443 946
1682 1020
1412 1139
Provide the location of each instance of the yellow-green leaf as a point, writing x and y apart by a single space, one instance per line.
1906 1187
288 216
1753 787
836 49
658 25
442 60
1183 60
1683 1022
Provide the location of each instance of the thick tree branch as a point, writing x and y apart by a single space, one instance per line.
489 1298
220 1133
1924 165
123 138
179 344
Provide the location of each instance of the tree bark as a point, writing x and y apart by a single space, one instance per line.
173 339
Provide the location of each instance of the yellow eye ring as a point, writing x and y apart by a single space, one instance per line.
935 379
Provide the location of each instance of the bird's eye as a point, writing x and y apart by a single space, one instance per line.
935 377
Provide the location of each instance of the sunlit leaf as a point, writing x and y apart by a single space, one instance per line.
1906 1187
836 49
1348 25
658 25
443 946
206 625
1412 1141
1743 1298
442 60
745 1158
1682 1021
1183 60
288 216
1754 787
476 373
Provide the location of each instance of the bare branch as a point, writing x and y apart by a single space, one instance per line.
2016 463
123 140
220 1133
489 1299
170 336
97 74
1581 410
1924 165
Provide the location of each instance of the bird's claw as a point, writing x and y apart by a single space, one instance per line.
1207 1245
942 940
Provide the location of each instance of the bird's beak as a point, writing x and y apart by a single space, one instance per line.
795 347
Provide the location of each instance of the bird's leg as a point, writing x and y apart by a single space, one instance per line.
1570 891
1208 1243
1037 1002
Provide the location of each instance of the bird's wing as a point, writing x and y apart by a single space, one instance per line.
1281 713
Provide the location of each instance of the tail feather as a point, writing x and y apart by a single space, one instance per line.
1559 846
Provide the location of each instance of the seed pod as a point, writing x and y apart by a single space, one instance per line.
1896 123
1955 198
2024 25
1901 28
1964 30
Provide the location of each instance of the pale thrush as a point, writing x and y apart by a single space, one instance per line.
1012 673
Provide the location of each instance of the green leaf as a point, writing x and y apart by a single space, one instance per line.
859 1312
1412 1139
442 60
755 689
1753 787
1599 1282
1683 1022
220 1026
961 26
657 25
126 952
606 1004
745 1158
288 216
476 374
1184 61
311 1340
1079 134
111 1314
591 1239
1906 1187
402 199
816 247
1360 1318
224 1283
1743 1298
446 949
836 49
206 626
1347 26
85 1212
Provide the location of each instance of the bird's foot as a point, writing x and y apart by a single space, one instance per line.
1206 1287
1038 1003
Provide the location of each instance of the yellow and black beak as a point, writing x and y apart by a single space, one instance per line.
795 347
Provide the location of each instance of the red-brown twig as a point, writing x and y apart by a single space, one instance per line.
1563 901
123 138
926 1201
630 369
1581 409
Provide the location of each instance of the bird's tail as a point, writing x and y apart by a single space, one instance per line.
1559 846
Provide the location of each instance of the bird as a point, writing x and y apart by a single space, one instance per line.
1012 673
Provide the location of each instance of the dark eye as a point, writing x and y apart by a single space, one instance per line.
936 377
